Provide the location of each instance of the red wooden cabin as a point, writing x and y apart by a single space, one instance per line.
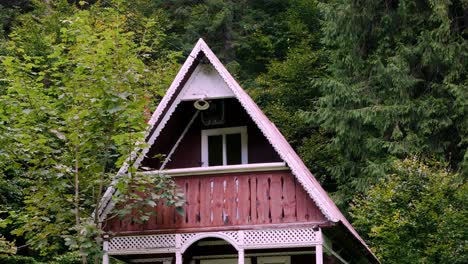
249 197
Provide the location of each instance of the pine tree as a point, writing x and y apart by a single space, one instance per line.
397 85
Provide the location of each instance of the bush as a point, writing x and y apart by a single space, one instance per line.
18 260
67 258
418 214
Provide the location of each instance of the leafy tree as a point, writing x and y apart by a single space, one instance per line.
72 102
396 87
416 214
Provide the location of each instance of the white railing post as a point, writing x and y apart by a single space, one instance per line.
178 257
319 248
319 254
178 245
105 248
241 256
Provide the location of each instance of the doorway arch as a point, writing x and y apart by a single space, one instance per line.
201 236
192 241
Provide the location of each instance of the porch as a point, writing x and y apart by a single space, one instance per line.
263 246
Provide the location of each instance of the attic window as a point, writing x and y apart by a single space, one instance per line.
214 115
224 146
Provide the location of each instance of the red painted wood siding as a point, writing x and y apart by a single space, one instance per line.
232 200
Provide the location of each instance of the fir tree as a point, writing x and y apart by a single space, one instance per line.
397 85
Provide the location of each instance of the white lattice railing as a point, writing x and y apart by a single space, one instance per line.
141 242
244 239
280 238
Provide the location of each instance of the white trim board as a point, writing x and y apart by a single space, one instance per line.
271 166
266 254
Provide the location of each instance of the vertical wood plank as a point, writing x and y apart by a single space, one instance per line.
218 195
205 201
289 198
160 213
276 194
169 216
122 222
253 199
263 205
244 197
193 208
152 221
113 225
131 224
313 211
180 219
301 203
229 206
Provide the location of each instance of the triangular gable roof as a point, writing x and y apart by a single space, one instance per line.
170 101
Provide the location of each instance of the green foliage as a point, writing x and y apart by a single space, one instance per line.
73 83
353 85
6 247
138 195
9 10
397 85
416 214
68 258
247 35
285 92
18 260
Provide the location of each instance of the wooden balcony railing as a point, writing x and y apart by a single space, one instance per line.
229 200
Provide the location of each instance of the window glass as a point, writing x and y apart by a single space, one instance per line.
215 150
224 146
233 149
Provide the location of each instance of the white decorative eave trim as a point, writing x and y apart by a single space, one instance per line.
273 166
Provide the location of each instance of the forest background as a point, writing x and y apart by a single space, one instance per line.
372 94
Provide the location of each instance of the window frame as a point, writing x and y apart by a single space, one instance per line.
205 133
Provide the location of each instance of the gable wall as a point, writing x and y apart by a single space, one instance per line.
299 169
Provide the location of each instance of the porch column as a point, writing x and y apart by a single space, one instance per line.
178 257
319 254
105 248
240 259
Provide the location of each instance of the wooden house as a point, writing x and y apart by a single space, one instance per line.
249 197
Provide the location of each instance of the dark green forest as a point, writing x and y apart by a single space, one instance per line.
372 94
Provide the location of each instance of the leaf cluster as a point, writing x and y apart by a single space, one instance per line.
416 214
